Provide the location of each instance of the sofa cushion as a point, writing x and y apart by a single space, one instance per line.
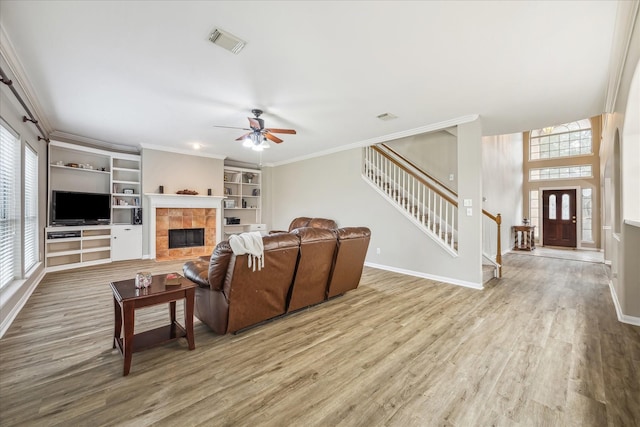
317 249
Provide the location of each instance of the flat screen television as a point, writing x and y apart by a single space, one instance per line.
77 208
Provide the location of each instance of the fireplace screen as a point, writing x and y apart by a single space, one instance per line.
186 238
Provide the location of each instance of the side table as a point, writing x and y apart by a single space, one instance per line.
524 237
126 298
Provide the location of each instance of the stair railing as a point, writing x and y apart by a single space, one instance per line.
390 175
431 209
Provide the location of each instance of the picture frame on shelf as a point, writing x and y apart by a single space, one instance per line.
127 191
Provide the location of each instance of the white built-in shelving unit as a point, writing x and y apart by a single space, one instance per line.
243 200
86 169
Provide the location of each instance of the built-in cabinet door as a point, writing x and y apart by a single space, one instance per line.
126 242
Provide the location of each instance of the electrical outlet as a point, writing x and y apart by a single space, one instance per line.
469 211
377 251
451 177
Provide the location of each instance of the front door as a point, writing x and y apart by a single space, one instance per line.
559 218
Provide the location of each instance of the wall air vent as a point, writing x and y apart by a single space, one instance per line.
227 41
386 116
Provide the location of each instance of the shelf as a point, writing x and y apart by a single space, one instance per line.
64 239
115 181
96 249
124 207
125 194
52 254
79 169
97 237
116 169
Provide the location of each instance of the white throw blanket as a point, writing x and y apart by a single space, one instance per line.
249 243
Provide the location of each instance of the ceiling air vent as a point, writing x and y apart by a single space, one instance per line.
227 40
386 116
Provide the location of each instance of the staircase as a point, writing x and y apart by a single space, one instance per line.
426 202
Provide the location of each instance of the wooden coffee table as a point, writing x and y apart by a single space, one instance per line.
126 298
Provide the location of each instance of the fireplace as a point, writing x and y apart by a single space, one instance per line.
186 238
178 212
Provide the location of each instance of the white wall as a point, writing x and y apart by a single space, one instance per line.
434 153
621 248
331 186
502 183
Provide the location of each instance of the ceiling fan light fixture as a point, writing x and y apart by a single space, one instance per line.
247 142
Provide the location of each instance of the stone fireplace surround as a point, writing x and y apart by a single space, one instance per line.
173 211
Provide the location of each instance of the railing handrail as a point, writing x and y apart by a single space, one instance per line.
427 184
418 168
491 216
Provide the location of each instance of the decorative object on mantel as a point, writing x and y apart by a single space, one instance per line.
249 176
525 221
188 192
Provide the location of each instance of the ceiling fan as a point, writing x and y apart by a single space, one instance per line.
258 135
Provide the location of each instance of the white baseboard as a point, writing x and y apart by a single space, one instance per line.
632 320
13 313
422 275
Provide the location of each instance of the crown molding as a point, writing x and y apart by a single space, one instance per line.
22 84
384 138
95 143
626 15
191 152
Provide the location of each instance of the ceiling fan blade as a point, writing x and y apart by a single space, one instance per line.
230 127
289 131
256 123
244 136
272 138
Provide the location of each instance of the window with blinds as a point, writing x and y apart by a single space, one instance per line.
9 219
30 208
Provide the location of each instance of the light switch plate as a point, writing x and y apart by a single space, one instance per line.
468 202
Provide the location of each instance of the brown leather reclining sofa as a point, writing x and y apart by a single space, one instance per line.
312 262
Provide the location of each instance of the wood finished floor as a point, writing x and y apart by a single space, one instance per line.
541 347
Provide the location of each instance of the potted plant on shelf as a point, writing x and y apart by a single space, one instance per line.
249 177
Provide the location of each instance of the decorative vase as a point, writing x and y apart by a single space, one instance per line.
143 279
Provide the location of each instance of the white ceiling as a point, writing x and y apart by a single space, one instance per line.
144 72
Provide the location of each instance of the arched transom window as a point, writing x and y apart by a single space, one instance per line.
566 140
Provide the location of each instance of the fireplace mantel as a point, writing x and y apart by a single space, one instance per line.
184 201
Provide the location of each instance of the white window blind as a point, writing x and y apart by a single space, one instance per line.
9 222
30 208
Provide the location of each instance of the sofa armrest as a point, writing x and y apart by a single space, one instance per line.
198 272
